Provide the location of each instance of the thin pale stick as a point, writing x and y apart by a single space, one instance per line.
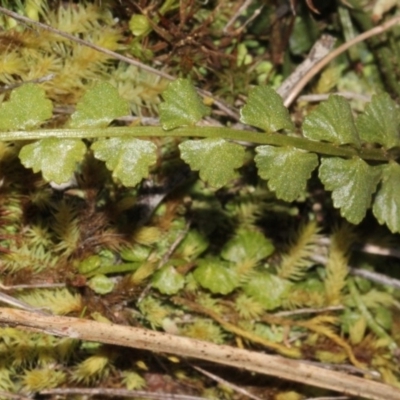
320 49
14 396
341 49
235 16
106 392
289 369
12 301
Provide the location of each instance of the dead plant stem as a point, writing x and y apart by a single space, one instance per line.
289 369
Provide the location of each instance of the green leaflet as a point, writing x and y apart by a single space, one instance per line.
352 183
387 201
193 245
216 276
182 106
247 245
287 169
128 159
101 284
168 280
380 121
265 110
332 121
26 109
55 157
98 107
269 290
216 159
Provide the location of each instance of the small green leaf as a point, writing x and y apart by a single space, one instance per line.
55 157
89 264
101 284
269 290
216 159
138 253
128 159
27 108
215 276
139 25
193 245
168 281
287 169
247 245
352 183
387 201
98 107
182 106
380 122
332 121
265 110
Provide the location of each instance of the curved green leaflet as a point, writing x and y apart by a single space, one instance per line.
168 280
269 290
287 169
216 276
128 159
387 201
182 105
352 183
55 157
215 159
332 121
380 121
247 245
27 108
98 107
265 110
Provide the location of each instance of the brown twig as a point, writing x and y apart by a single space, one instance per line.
341 49
289 369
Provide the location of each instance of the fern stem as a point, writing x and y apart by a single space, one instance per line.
273 139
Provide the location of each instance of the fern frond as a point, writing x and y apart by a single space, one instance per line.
296 261
337 264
